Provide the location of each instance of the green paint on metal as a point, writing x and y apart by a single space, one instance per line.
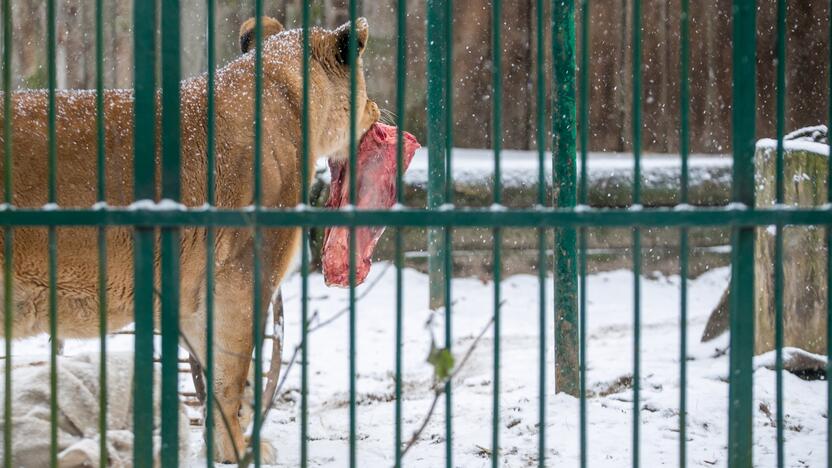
449 102
495 401
7 103
210 235
8 312
582 349
353 64
636 116
51 56
778 240
53 345
398 414
528 218
740 413
103 458
8 316
401 77
565 185
144 29
683 345
170 242
437 101
448 346
542 267
352 411
439 157
257 274
684 150
582 195
304 261
497 145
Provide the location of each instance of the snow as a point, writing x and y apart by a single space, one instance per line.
520 168
795 145
610 355
165 204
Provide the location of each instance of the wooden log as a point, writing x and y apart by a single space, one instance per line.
804 249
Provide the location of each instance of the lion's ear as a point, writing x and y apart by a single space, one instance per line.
247 39
342 39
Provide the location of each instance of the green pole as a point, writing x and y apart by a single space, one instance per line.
437 101
740 405
170 241
565 194
144 162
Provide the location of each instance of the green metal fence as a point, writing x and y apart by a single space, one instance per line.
567 215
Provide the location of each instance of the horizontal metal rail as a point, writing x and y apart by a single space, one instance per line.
536 217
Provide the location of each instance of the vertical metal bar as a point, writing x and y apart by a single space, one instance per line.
144 33
828 250
51 44
353 422
449 105
740 419
353 62
447 269
401 78
436 115
636 111
257 306
102 233
564 191
170 236
497 143
438 42
542 267
8 300
397 449
778 240
582 199
684 149
304 261
210 156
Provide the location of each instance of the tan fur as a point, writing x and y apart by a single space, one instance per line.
77 295
270 27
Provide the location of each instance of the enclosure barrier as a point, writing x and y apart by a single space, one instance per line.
568 215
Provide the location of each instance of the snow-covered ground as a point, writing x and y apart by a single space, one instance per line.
610 351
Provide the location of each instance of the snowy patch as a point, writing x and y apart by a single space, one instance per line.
795 145
163 205
609 353
520 168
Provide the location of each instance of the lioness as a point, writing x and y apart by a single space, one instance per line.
77 296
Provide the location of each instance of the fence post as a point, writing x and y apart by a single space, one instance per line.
170 237
144 27
742 274
437 101
565 196
439 18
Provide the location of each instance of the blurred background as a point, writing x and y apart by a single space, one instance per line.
610 64
610 170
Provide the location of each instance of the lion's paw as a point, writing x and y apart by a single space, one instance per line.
268 454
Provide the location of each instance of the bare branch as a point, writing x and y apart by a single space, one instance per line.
439 388
363 294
